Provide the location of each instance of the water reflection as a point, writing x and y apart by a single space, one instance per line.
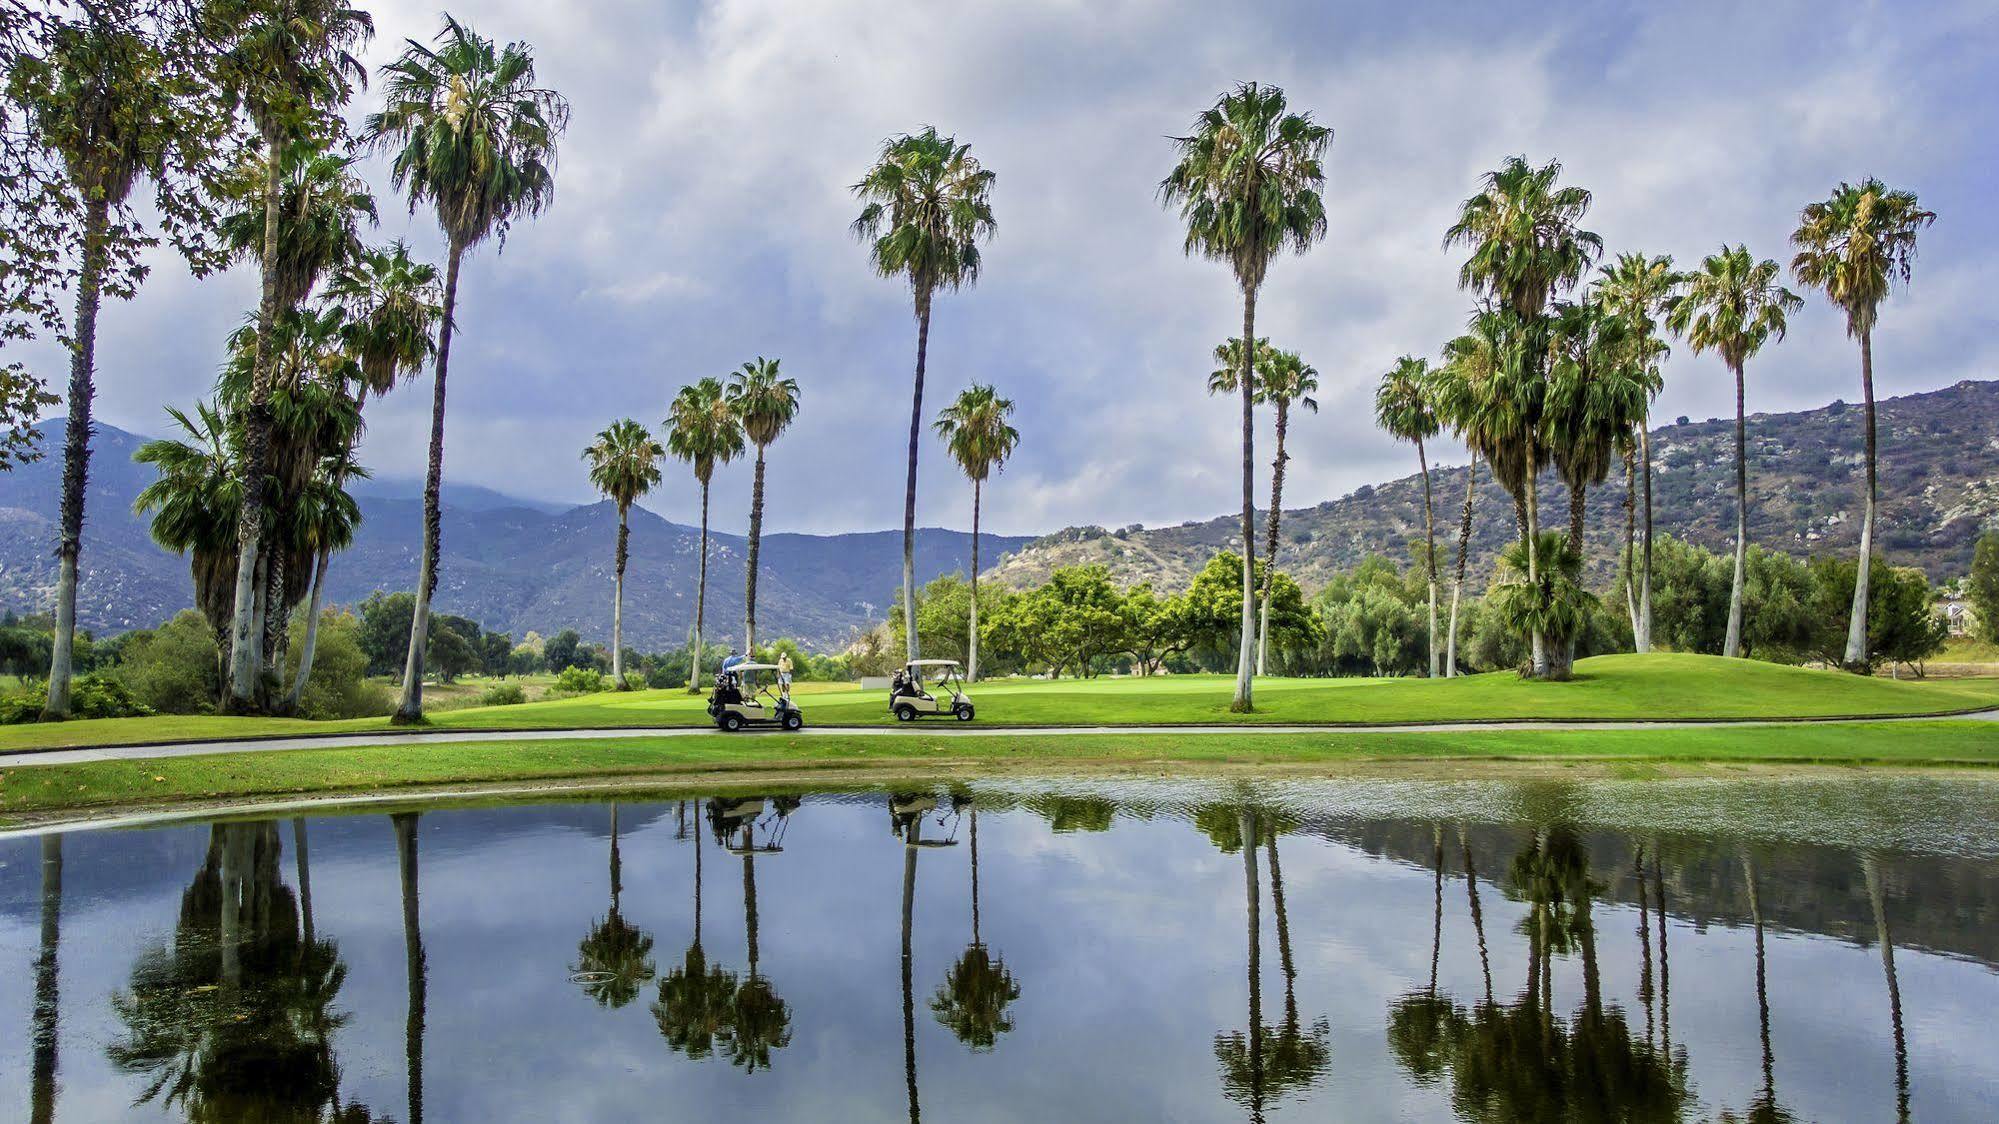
205 975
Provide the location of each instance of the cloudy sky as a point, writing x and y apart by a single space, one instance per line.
702 211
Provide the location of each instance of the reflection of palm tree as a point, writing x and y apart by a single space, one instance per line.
1872 870
1241 1056
1644 936
304 876
42 1098
224 1033
615 959
759 1021
1765 1108
414 964
1298 1056
1477 914
975 995
693 1004
910 827
1416 1021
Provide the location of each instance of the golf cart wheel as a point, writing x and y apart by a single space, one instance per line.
793 720
905 713
732 722
964 712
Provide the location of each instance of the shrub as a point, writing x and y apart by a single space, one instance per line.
503 694
339 687
175 668
90 696
580 681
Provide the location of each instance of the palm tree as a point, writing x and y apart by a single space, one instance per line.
702 429
195 503
614 959
759 1020
694 999
1871 873
767 404
1635 287
624 465
1248 188
475 137
1403 407
1290 379
1852 247
415 964
322 204
48 980
1733 305
1462 393
976 431
388 306
106 120
1240 1055
1526 247
926 207
976 993
290 63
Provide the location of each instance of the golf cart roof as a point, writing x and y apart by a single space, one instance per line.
933 663
752 667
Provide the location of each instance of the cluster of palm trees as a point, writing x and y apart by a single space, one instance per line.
1558 370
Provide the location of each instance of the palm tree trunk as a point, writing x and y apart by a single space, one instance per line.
1429 549
1731 645
413 960
1878 900
76 456
908 992
750 570
1458 585
1644 643
975 876
1283 918
750 900
1252 896
1246 648
1270 539
1436 903
618 600
1665 964
1856 628
909 501
1762 984
1477 916
1630 536
1538 667
972 641
311 642
410 710
700 597
245 644
304 877
47 1021
1645 992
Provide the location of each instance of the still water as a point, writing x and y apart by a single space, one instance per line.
1762 949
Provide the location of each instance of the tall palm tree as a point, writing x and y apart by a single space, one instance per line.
290 64
926 207
614 959
1463 392
475 138
1240 1054
1852 247
1526 246
694 999
1289 380
194 504
388 308
624 466
101 113
702 429
976 993
322 205
1403 407
767 404
976 431
1247 186
1634 288
1733 305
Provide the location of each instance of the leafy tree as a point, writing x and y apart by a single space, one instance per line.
449 655
1733 305
926 207
341 688
1852 247
624 465
1248 187
496 650
175 668
976 430
767 403
560 650
702 428
1984 584
475 137
1403 406
1902 625
943 615
1155 627
385 630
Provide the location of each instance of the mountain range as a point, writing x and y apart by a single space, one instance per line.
516 565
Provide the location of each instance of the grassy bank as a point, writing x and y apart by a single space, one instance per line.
159 781
1607 688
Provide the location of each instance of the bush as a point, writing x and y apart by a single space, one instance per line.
503 694
90 696
175 668
339 687
580 681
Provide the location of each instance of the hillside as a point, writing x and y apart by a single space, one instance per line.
511 565
1939 481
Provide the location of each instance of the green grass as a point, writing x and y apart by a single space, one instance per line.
1609 688
165 781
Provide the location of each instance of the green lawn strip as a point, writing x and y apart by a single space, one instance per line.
386 768
1608 688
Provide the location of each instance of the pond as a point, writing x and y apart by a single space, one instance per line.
1801 947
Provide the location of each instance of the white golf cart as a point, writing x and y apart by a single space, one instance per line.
908 700
748 694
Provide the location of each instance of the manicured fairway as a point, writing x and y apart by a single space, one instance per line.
379 769
1627 687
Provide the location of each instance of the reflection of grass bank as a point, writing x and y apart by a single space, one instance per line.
386 768
1607 688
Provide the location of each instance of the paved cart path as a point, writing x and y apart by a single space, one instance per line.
940 729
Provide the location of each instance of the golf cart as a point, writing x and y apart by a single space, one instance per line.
748 694
908 700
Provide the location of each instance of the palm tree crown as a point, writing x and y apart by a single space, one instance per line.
1402 403
763 399
321 204
1226 378
1248 181
702 428
472 132
1522 231
1635 288
1855 244
976 430
389 306
624 462
1732 305
289 61
926 207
